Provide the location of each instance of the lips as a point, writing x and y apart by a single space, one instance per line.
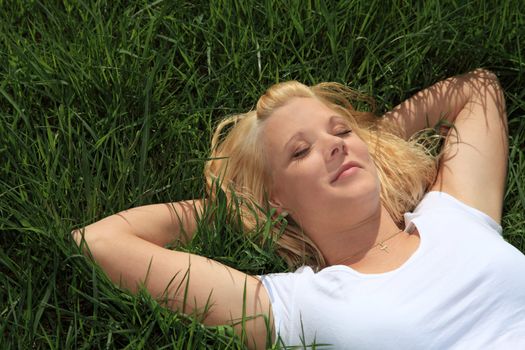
344 170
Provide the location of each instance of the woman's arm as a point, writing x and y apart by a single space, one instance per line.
159 224
129 248
474 162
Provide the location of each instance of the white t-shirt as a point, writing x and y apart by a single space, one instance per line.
463 288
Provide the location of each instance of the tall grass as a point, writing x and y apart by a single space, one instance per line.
105 105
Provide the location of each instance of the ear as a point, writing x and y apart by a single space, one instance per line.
278 206
275 202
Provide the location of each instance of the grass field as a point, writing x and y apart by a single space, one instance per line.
106 105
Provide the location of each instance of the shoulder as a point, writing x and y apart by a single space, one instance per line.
288 289
285 280
282 290
443 206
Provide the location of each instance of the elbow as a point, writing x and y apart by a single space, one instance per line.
87 238
99 235
486 84
485 74
487 78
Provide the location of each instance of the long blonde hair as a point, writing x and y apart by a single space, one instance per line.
405 168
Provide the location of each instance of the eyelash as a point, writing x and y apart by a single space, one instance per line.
345 132
303 152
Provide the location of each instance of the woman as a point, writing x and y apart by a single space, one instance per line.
405 254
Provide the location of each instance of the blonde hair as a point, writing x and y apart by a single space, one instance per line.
405 168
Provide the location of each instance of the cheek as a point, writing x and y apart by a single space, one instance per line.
295 186
373 170
362 152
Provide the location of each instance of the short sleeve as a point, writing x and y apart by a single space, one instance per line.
434 201
282 289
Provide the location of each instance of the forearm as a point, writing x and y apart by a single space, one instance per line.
443 101
159 224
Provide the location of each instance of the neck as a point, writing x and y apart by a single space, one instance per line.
354 243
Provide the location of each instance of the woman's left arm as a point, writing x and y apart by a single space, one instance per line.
474 161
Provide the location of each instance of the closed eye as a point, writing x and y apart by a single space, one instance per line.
344 132
300 153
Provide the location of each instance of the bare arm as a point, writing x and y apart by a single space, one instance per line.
473 166
159 224
129 248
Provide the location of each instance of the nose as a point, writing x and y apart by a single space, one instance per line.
337 145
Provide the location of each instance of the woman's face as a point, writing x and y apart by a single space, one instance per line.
322 172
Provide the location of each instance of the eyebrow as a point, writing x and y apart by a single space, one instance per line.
297 135
336 118
333 119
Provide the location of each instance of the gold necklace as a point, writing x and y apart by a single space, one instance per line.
380 244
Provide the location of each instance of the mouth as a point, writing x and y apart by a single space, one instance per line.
345 170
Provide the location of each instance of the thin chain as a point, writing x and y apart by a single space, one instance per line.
380 244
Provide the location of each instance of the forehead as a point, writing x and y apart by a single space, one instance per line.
298 114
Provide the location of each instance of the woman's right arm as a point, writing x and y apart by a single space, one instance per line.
129 248
159 224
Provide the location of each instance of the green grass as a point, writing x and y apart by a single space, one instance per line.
105 105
